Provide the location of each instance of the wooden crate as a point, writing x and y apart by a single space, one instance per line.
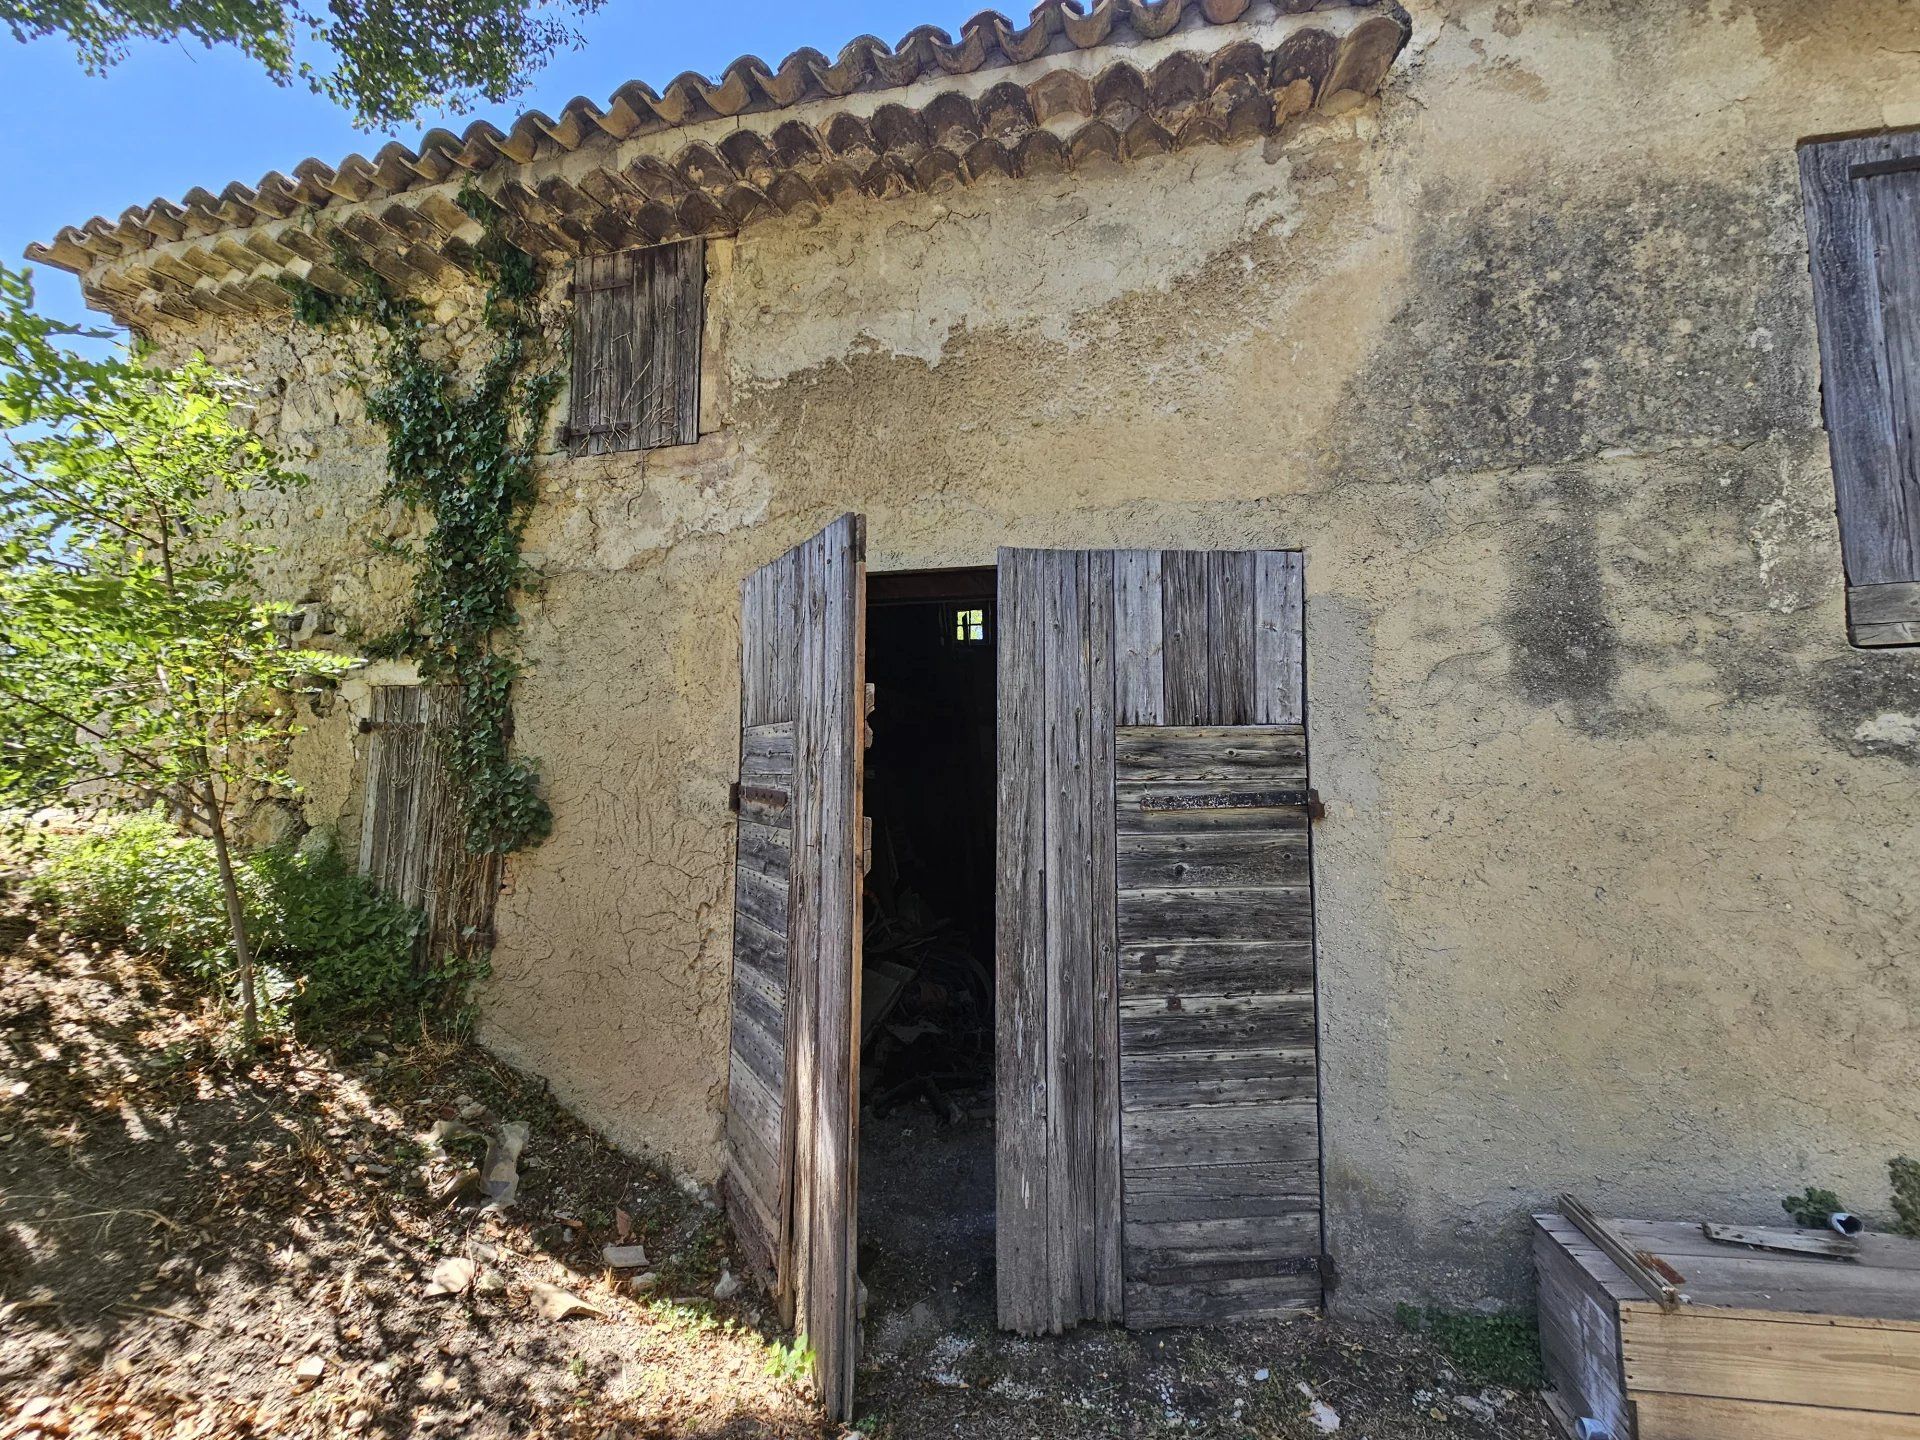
1769 1346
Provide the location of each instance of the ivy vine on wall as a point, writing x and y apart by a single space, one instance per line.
463 453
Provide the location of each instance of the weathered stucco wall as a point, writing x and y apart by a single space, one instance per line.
1615 888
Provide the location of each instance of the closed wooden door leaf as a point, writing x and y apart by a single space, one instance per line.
1863 230
637 318
1158 1077
412 829
793 1065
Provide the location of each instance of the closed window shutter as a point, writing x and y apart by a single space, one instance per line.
637 318
1863 229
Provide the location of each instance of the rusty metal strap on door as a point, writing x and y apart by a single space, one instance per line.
1308 800
761 795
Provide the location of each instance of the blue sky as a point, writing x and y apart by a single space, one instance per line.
172 117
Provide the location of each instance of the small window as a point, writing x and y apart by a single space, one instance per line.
970 625
636 349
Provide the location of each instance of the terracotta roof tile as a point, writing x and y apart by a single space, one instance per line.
1212 91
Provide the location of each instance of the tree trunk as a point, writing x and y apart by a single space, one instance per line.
236 917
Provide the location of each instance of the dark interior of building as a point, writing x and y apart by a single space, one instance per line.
927 1000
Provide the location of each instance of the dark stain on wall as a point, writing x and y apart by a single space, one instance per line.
1563 644
1867 702
1571 315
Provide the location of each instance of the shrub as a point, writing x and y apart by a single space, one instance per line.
139 879
1903 1173
1812 1207
334 950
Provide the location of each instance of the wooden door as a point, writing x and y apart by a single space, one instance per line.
412 827
1157 1072
793 1068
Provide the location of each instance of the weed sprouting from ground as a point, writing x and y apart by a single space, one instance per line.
1498 1349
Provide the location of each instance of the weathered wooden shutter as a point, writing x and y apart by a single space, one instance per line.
1863 230
1158 1096
637 318
793 1070
412 833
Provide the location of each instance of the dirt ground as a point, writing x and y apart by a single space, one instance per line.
190 1246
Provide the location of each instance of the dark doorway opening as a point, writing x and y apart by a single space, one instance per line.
927 997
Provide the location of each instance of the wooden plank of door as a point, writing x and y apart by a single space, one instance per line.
1879 537
1107 1297
1020 1081
1230 636
1069 932
1217 1073
1279 638
826 930
758 1180
1184 609
1140 689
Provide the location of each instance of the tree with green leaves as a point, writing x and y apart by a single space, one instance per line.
386 60
134 649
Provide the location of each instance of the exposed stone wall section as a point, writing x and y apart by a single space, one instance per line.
1616 883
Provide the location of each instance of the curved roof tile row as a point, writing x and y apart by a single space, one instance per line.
746 86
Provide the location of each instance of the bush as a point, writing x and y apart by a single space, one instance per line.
139 879
331 948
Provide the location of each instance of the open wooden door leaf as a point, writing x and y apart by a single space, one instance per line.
1158 1135
791 1180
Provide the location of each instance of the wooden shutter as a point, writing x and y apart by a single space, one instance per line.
412 830
1863 230
793 1068
637 319
1158 1096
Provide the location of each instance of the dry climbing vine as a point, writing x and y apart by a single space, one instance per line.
463 453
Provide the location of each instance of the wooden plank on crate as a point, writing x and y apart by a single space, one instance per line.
1579 1332
1184 609
1210 752
1106 1302
1140 690
1230 637
1279 640
1658 1284
1682 1241
1590 1258
1697 1351
1021 1076
1825 1243
1069 943
1700 1417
